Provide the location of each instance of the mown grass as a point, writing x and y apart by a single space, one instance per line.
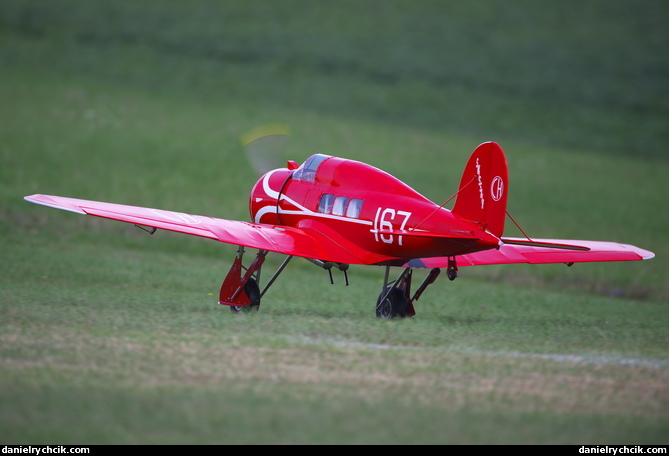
109 335
135 350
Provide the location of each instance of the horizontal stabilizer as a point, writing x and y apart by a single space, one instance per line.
543 251
543 243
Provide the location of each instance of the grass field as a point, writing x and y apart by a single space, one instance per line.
109 335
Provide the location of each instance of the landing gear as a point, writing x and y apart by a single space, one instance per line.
395 299
241 288
242 293
391 303
252 291
452 269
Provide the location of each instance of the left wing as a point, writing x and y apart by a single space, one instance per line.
304 242
542 251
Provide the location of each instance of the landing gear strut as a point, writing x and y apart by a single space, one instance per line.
452 269
241 288
252 291
242 293
391 303
395 299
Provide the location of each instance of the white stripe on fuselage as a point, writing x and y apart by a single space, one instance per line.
302 210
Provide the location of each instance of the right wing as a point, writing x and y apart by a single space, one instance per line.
302 242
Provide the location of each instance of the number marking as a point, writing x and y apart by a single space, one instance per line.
383 221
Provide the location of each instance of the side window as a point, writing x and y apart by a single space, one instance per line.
325 205
339 207
354 208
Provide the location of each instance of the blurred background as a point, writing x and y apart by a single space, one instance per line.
589 74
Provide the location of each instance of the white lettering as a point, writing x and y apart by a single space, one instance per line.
387 225
383 221
624 449
375 227
478 174
404 223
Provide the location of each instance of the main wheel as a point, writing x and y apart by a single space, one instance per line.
395 304
252 290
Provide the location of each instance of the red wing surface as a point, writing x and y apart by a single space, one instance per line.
305 242
541 251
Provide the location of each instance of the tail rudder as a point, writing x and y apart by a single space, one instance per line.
484 188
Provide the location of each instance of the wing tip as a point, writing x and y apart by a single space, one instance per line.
45 200
648 256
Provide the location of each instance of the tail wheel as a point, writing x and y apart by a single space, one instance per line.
392 303
252 290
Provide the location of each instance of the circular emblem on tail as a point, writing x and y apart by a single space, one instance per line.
497 188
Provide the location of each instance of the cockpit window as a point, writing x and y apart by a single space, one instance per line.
307 172
339 207
325 205
354 207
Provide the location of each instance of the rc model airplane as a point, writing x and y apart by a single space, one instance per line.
337 212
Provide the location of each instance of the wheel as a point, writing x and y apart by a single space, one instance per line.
394 305
252 290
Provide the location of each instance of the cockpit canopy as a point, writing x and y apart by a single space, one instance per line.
307 172
353 176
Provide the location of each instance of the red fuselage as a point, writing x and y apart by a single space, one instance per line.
365 205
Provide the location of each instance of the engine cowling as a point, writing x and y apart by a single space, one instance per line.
266 194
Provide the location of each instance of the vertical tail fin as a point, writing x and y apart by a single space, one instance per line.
483 188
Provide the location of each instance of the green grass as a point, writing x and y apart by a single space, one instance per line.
135 350
109 335
589 76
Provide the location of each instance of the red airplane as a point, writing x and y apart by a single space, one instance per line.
337 212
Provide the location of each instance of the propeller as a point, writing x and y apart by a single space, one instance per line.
264 146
